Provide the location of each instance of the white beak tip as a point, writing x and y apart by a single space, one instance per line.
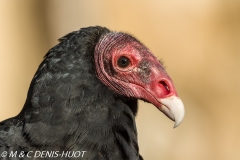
176 125
173 108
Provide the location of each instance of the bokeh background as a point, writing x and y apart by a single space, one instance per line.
199 42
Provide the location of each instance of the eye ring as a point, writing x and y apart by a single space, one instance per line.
123 62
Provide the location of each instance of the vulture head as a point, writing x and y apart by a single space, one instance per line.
129 68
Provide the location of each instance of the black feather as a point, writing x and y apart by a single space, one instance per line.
66 109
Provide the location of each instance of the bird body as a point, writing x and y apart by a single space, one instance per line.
73 106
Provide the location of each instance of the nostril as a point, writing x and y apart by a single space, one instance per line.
164 84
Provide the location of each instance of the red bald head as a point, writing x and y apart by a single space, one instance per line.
128 68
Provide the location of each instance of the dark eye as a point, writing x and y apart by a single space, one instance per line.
123 62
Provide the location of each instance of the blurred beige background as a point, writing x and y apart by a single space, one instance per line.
199 42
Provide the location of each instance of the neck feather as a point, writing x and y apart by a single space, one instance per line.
69 108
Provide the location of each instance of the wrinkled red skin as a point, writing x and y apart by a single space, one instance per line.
145 78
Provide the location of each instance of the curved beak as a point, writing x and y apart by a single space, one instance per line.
173 108
165 95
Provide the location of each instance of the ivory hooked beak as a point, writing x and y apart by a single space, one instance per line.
173 108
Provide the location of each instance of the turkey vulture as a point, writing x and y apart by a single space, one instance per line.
83 99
